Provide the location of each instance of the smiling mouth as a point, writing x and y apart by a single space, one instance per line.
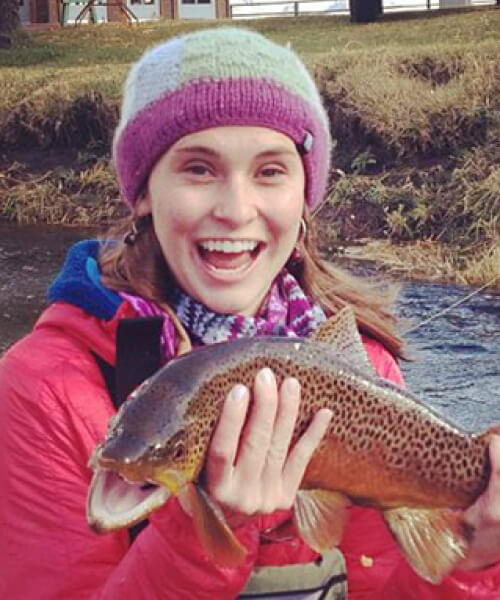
229 255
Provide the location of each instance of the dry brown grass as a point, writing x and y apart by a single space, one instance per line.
456 200
382 103
41 108
67 196
431 261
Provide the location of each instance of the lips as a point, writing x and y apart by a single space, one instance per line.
224 254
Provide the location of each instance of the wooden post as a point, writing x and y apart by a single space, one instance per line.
53 11
296 9
32 4
166 9
116 14
222 9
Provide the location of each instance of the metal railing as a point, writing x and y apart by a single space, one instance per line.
295 8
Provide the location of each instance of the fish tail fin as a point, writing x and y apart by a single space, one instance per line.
433 540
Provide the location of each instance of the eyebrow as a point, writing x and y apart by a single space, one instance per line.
276 150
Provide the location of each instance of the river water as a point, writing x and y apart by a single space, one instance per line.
457 366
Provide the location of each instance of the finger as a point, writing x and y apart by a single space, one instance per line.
224 444
484 517
491 507
495 455
288 409
301 453
258 432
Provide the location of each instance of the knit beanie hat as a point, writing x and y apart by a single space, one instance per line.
218 77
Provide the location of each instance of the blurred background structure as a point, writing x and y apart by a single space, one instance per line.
43 13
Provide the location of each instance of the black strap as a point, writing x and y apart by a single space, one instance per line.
138 356
109 374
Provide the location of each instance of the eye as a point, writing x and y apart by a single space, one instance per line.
198 169
179 450
271 172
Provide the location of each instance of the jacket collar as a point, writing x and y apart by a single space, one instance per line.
79 282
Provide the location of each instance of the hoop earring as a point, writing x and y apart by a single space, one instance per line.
302 231
131 236
296 256
135 230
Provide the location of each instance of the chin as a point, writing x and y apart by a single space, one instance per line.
224 302
229 308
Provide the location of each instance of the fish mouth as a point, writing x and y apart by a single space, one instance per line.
114 503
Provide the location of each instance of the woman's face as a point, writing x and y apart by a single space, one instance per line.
226 205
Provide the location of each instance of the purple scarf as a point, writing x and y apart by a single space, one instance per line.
287 311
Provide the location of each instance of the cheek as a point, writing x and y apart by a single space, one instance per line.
173 219
286 214
174 210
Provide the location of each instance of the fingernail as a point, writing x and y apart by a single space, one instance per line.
238 393
266 376
292 386
328 414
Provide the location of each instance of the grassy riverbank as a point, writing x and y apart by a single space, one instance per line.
415 108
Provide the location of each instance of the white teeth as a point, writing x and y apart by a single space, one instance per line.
228 246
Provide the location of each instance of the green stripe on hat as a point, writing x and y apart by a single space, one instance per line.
229 52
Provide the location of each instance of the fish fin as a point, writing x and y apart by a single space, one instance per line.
433 540
215 534
341 331
319 517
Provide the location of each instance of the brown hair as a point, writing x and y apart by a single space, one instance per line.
141 268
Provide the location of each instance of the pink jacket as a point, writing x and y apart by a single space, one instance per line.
54 409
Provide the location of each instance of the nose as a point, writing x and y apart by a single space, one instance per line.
236 203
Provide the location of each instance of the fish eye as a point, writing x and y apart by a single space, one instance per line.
179 450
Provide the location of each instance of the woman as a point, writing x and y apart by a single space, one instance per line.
222 153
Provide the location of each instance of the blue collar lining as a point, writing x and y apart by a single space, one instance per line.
79 282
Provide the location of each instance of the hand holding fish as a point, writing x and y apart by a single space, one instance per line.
250 468
484 517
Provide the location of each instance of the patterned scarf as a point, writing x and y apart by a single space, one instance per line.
287 311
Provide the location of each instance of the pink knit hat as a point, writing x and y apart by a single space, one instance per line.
217 77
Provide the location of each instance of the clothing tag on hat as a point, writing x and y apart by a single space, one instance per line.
306 145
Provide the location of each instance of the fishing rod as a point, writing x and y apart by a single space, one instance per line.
452 306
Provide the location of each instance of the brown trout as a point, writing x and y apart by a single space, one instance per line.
383 448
